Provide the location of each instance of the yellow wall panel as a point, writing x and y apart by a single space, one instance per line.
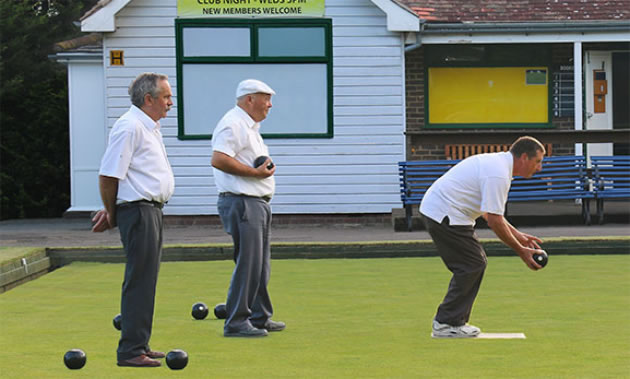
487 95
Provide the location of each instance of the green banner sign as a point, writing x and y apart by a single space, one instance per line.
250 8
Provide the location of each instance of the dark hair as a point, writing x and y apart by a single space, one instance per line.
528 145
146 82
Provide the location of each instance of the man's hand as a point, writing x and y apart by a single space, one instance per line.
526 255
263 171
528 240
523 244
101 221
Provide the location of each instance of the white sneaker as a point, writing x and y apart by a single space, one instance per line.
449 331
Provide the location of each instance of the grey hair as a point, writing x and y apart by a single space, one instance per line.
146 82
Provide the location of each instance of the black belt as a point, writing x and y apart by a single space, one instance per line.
265 198
156 204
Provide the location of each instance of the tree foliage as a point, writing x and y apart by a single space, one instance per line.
34 138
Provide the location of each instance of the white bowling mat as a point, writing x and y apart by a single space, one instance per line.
501 336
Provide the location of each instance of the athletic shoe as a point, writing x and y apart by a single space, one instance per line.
449 331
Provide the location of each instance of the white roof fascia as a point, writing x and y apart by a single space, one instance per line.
523 38
399 18
104 20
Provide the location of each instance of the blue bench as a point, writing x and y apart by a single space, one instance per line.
562 177
415 178
611 177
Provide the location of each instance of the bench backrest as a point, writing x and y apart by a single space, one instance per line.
611 173
416 177
563 177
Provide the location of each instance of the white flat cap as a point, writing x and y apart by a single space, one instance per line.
252 86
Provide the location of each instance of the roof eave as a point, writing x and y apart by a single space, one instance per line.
527 27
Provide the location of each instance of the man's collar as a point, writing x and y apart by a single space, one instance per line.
248 119
147 121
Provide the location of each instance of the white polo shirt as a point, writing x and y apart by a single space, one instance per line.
238 136
479 184
137 157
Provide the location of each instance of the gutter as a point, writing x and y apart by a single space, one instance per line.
537 27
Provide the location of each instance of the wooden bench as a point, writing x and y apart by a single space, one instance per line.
611 180
561 178
462 151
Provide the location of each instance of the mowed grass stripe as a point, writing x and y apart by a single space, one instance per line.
346 318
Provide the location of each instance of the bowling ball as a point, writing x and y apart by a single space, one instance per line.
220 312
541 259
199 311
260 160
176 359
74 359
117 321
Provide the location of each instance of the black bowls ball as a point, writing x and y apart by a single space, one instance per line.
199 311
117 321
260 160
541 259
176 359
74 359
220 312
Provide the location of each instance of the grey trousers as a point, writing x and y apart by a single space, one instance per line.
464 256
248 220
140 226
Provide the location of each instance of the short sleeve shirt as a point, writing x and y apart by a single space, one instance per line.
136 156
238 136
477 185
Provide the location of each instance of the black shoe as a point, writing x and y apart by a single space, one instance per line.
247 332
272 326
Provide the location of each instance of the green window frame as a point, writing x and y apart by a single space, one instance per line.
311 63
533 58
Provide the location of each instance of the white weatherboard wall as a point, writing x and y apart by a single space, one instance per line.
354 172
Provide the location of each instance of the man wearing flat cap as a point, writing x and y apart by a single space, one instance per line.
244 195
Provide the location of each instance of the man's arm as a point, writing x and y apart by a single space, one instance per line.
524 245
106 218
230 165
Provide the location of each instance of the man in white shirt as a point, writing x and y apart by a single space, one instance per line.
476 187
135 182
244 195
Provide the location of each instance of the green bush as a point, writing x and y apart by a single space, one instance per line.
34 141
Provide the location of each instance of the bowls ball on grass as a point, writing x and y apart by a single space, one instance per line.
541 258
117 321
262 159
199 311
220 312
176 359
74 359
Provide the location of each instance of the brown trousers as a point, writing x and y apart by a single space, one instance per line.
464 256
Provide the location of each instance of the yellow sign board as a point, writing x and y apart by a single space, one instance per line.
250 8
464 95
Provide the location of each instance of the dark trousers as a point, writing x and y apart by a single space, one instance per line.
140 225
248 220
464 256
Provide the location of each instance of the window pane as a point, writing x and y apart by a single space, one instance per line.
216 42
291 42
299 106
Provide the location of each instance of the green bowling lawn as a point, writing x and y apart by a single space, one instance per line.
363 318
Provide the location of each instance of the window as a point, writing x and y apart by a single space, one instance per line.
293 56
498 86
